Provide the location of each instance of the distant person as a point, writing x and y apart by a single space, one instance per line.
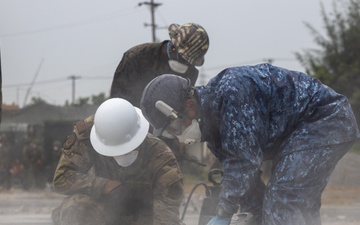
115 172
180 55
249 114
33 159
55 156
5 163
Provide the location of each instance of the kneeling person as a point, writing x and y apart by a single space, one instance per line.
115 172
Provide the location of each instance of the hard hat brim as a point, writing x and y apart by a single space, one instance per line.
124 148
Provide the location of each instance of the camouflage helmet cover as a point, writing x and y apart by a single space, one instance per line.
191 42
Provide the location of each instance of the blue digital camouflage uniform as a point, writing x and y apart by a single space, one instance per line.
253 113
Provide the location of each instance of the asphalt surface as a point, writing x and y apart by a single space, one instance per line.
28 208
25 208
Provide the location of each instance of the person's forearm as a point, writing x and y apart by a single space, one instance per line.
72 182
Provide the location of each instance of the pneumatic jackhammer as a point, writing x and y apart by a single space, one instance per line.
210 202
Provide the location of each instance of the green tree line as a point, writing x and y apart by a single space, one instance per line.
93 100
337 60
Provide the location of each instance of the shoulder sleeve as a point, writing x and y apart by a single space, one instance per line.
127 73
239 132
75 172
168 186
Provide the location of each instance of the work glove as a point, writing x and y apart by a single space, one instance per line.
244 218
219 221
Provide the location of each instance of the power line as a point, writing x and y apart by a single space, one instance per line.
78 23
110 77
56 81
163 19
267 60
23 86
96 78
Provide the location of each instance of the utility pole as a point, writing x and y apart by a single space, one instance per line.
152 6
73 79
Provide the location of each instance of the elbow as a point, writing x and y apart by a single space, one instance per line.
61 185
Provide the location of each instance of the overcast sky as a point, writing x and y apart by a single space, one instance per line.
45 42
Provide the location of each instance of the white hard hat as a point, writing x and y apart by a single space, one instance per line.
118 128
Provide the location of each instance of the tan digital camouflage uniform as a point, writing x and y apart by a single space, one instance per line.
151 186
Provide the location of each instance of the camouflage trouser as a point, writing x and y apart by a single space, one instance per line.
82 209
293 194
77 210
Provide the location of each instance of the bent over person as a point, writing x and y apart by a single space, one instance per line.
249 114
180 55
115 172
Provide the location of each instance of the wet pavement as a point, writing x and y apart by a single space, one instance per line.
29 208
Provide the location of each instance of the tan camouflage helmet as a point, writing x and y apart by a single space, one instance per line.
191 42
